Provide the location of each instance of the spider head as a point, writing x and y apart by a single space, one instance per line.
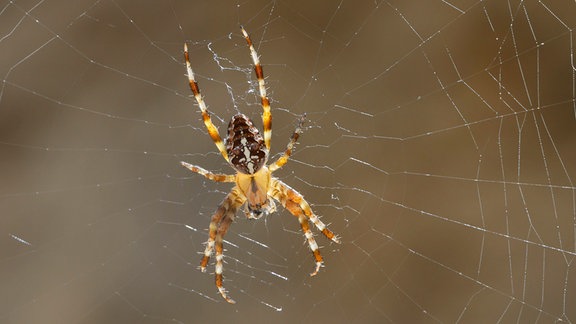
245 146
258 210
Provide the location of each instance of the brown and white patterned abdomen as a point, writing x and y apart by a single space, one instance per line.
245 145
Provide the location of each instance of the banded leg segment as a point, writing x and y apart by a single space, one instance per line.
212 176
212 130
295 203
284 158
219 245
219 225
266 114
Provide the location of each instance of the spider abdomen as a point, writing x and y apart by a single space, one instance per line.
245 145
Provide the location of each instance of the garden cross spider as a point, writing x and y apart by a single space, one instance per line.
247 152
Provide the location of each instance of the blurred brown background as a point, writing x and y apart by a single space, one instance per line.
439 145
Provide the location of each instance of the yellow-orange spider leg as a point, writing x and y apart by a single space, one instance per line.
212 176
212 130
222 229
219 224
266 114
282 191
284 158
297 206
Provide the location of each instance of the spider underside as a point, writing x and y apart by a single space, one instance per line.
247 151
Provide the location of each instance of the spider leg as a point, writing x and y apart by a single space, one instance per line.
219 225
222 229
295 204
208 174
212 130
284 158
266 114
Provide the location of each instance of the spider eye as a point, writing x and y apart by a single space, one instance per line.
259 210
255 213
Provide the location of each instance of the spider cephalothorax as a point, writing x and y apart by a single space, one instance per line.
246 150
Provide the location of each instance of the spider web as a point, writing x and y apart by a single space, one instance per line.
439 145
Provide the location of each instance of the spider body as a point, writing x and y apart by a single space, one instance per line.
247 151
248 155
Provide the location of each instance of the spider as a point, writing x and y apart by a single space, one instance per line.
247 151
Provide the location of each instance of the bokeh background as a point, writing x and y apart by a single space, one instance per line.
439 144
